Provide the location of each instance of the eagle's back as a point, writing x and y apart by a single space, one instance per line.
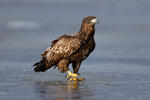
61 48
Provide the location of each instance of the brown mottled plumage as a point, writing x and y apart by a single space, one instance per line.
67 49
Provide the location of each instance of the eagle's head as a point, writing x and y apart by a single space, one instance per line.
90 20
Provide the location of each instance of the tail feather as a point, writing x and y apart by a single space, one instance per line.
40 66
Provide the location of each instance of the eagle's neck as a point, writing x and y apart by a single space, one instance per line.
86 31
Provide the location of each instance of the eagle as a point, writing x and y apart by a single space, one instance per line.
70 49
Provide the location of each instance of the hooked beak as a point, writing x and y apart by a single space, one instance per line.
95 21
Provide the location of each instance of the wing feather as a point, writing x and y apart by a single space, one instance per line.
61 48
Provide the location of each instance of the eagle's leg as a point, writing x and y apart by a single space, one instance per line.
76 66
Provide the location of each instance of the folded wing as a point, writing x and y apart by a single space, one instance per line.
61 48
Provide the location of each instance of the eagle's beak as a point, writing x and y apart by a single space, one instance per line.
95 21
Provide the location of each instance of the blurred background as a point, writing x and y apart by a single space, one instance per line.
122 43
32 24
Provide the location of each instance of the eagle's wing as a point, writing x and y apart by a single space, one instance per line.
61 48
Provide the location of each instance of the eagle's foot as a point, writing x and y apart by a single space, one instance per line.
76 79
70 74
73 77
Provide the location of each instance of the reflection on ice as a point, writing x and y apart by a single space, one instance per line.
59 90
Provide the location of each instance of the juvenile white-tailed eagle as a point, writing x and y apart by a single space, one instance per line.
69 48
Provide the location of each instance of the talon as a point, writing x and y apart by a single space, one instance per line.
81 79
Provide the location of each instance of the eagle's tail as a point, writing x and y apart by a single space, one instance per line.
40 66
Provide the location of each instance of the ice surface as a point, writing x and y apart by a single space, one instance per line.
118 69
